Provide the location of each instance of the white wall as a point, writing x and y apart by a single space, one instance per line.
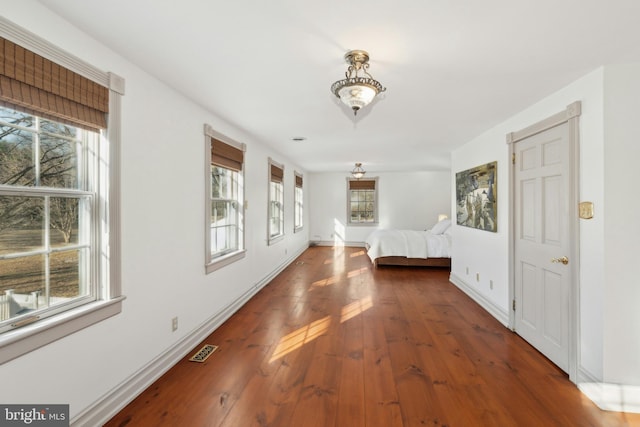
478 253
487 253
407 200
609 129
162 234
621 228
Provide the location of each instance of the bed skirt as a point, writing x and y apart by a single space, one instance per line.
413 262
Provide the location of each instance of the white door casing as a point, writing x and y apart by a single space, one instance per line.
544 237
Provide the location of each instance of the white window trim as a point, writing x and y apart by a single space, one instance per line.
295 200
274 239
375 206
109 303
213 264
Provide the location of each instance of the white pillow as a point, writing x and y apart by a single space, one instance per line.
441 226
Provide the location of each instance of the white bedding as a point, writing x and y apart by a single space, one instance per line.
408 243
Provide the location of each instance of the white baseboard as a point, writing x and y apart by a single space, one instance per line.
498 312
608 396
613 397
333 243
114 401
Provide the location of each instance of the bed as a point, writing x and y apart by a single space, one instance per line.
430 248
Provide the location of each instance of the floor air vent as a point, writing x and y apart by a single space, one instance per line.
203 353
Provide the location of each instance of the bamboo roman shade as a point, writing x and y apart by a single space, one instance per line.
226 156
362 184
277 173
36 85
298 180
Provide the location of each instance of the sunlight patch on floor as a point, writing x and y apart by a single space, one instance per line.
313 330
338 260
356 308
324 282
300 337
355 273
355 254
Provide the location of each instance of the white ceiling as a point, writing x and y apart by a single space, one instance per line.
452 68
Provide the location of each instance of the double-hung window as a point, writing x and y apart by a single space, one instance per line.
59 225
362 201
225 191
298 203
47 202
276 202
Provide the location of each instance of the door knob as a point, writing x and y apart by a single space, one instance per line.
564 260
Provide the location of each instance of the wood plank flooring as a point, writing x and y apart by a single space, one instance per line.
333 341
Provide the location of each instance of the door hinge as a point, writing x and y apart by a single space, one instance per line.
513 305
513 158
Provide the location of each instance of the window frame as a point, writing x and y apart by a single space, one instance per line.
375 221
213 263
298 202
231 211
84 192
35 332
274 238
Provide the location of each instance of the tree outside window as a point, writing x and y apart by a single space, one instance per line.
46 203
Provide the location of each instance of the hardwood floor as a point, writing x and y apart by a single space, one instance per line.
332 341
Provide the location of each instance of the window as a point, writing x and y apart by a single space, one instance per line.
276 202
225 191
362 201
47 201
59 191
298 203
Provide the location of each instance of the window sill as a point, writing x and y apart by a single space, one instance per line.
362 224
28 338
224 260
275 239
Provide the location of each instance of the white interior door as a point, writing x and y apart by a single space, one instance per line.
541 246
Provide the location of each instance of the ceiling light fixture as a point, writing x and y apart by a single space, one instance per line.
358 172
359 88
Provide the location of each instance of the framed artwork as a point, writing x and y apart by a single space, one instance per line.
476 197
